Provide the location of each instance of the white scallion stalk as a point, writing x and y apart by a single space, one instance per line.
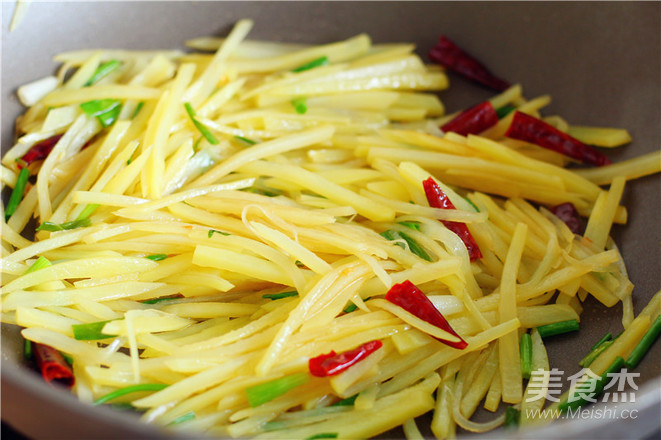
31 93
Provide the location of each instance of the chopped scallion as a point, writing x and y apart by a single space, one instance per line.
27 349
580 397
267 391
414 247
349 401
300 105
67 358
512 416
128 390
190 415
525 348
352 306
105 110
53 227
212 231
40 263
558 328
645 343
472 204
156 257
280 295
323 435
137 109
504 111
90 331
594 354
318 62
87 211
606 337
102 71
158 300
246 140
200 127
411 225
17 192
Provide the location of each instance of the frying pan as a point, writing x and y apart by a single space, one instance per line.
599 61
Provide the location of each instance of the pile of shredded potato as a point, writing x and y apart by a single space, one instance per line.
276 181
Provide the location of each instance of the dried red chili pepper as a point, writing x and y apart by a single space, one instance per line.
473 120
52 365
567 213
530 129
333 363
449 55
39 151
407 296
438 199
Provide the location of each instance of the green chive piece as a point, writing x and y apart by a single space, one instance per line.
321 61
87 211
411 225
40 263
594 354
128 390
212 231
102 71
512 416
606 337
525 348
323 435
558 328
17 192
267 391
505 110
53 227
200 127
137 109
90 331
105 110
414 247
350 308
472 204
300 105
157 257
273 426
67 358
246 140
196 145
158 300
280 295
592 383
349 401
190 415
27 349
644 345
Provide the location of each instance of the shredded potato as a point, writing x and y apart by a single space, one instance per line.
231 224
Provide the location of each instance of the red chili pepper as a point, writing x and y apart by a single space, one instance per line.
407 296
438 199
52 365
332 363
39 151
473 120
452 57
567 213
530 129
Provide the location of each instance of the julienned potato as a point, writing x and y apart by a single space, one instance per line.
211 222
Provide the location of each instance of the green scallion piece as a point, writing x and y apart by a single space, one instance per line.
505 110
27 349
53 227
87 211
128 390
267 391
558 328
606 337
90 331
246 140
472 204
349 401
594 354
67 358
273 426
596 384
644 345
105 110
216 231
512 416
280 295
40 263
321 61
200 127
525 348
300 105
158 300
352 306
17 192
411 225
102 71
137 109
190 415
414 247
156 257
323 435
